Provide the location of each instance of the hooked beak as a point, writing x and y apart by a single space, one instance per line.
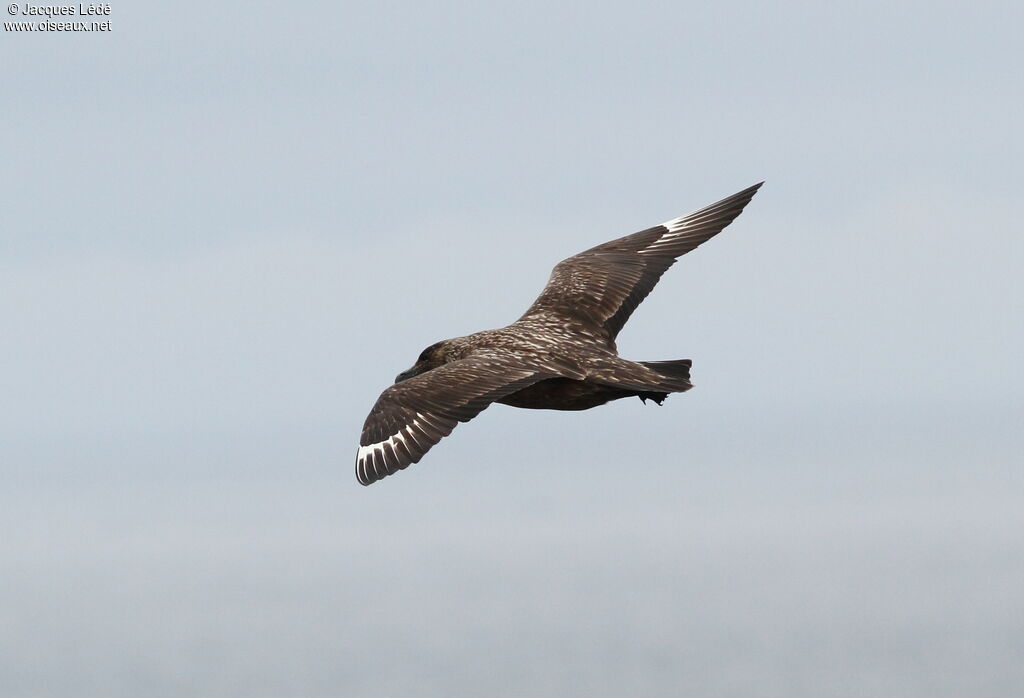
405 375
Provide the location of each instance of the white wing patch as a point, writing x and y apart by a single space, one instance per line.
674 228
377 454
676 224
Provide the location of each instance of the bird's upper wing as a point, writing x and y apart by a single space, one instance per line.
605 284
411 416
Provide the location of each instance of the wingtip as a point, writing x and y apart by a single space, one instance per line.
745 195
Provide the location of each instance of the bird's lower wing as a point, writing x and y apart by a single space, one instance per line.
411 416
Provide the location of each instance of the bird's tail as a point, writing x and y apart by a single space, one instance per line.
648 380
676 374
674 378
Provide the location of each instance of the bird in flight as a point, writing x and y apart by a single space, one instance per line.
560 355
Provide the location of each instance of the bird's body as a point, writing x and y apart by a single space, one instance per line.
559 355
589 371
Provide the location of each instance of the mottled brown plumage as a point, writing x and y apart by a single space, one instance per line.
559 355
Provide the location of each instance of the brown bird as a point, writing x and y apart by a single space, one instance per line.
560 355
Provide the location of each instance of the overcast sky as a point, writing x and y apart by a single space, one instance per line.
225 229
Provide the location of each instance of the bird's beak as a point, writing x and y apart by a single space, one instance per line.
405 375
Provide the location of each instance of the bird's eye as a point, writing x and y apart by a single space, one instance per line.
428 353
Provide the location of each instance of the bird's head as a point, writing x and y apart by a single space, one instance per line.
430 358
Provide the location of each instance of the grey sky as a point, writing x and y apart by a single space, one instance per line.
224 231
